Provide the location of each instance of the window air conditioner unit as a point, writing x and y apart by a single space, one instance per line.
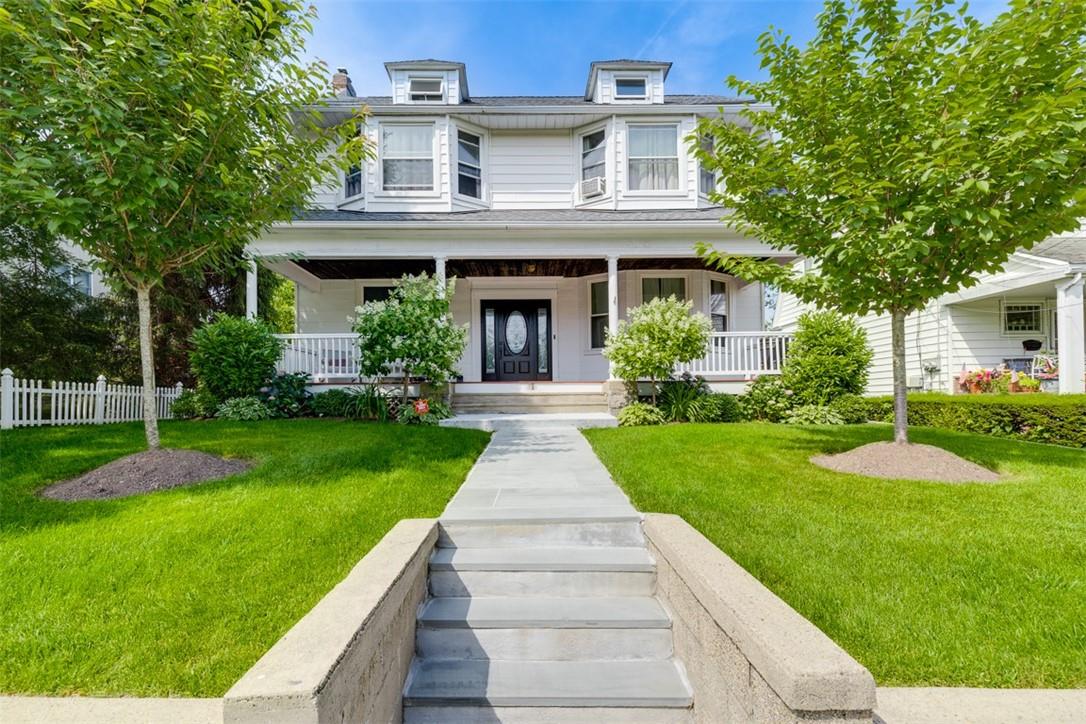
592 187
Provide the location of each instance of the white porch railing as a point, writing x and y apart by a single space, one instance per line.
741 354
323 357
30 403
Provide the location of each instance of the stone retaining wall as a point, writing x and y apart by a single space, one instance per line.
749 656
347 659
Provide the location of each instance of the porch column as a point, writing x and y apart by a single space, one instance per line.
250 290
1071 332
612 304
439 272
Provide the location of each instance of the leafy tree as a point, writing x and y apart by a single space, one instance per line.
827 358
905 150
657 336
413 328
161 135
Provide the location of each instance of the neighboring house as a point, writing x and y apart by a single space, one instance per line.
1036 300
555 214
80 273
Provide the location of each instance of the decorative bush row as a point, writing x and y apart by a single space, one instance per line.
1056 419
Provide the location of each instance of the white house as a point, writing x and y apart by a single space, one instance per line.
1035 301
555 214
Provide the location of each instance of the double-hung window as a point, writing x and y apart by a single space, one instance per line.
425 90
597 313
470 160
706 177
718 304
78 279
407 157
630 89
653 287
593 158
654 158
352 181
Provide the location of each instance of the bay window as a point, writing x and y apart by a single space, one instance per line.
653 287
470 165
653 158
597 313
593 160
407 157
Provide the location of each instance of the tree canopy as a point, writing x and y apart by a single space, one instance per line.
162 135
905 150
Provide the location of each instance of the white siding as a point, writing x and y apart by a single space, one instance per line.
327 310
531 171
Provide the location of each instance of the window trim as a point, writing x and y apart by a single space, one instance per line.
484 189
1040 307
595 279
618 98
435 188
680 189
442 89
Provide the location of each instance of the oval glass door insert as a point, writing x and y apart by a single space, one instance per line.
516 332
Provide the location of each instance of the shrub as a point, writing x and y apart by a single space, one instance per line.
331 403
766 399
244 409
287 396
234 356
716 407
658 335
423 412
813 415
680 400
192 404
636 414
828 357
413 328
1055 419
853 409
368 402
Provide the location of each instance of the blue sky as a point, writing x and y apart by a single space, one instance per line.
544 48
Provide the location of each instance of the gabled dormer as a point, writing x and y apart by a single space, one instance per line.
626 82
428 82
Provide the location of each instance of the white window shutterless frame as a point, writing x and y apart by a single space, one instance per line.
407 157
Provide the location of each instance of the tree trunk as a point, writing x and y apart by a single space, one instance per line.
897 341
147 365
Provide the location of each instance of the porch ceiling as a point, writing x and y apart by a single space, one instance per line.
463 268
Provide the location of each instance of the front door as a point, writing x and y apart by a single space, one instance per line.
516 340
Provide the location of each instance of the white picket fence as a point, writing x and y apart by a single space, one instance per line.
29 403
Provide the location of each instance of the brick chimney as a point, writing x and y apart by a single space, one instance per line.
341 83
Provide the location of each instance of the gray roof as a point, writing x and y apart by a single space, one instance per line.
576 101
546 216
1072 250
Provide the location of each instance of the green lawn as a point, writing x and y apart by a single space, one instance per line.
926 584
179 592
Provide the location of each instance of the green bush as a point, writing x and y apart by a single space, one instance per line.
192 404
1055 419
766 399
636 414
368 402
681 400
813 415
244 409
287 396
853 409
234 356
717 407
827 357
436 410
331 403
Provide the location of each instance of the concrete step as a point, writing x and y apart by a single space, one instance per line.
542 583
628 684
492 421
532 533
566 558
537 612
550 644
529 398
544 715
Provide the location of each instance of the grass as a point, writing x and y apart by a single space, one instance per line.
926 584
179 592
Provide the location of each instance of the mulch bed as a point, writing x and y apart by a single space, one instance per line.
145 472
910 462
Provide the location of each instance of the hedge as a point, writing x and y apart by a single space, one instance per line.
1056 419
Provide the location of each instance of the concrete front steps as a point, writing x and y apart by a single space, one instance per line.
528 402
544 620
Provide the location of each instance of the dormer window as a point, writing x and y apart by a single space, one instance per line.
426 90
630 89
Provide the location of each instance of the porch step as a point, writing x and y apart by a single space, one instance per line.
450 683
519 403
549 644
621 532
642 612
542 559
